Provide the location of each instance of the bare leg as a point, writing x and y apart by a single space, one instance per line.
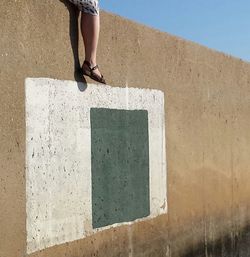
90 28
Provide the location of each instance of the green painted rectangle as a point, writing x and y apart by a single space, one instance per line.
119 165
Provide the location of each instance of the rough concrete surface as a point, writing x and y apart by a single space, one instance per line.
84 172
207 96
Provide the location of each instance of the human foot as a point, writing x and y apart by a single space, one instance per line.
92 71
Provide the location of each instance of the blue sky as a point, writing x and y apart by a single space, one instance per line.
223 25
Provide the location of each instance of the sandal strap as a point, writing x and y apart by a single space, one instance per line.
89 65
95 67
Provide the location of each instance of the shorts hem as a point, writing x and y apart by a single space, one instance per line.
88 12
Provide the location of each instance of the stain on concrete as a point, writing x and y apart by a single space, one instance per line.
234 245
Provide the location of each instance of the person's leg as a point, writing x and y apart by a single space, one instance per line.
90 28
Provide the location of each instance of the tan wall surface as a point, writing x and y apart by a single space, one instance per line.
207 104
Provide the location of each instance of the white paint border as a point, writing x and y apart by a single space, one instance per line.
47 94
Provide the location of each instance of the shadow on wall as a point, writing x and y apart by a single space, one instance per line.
74 40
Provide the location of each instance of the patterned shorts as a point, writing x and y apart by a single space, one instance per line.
87 6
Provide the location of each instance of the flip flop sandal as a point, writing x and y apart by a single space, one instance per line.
92 74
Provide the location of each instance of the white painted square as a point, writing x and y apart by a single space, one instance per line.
58 156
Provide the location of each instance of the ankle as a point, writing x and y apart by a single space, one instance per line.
92 62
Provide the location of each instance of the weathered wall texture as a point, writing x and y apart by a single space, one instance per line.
207 104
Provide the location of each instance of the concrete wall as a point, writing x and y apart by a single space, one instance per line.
207 131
